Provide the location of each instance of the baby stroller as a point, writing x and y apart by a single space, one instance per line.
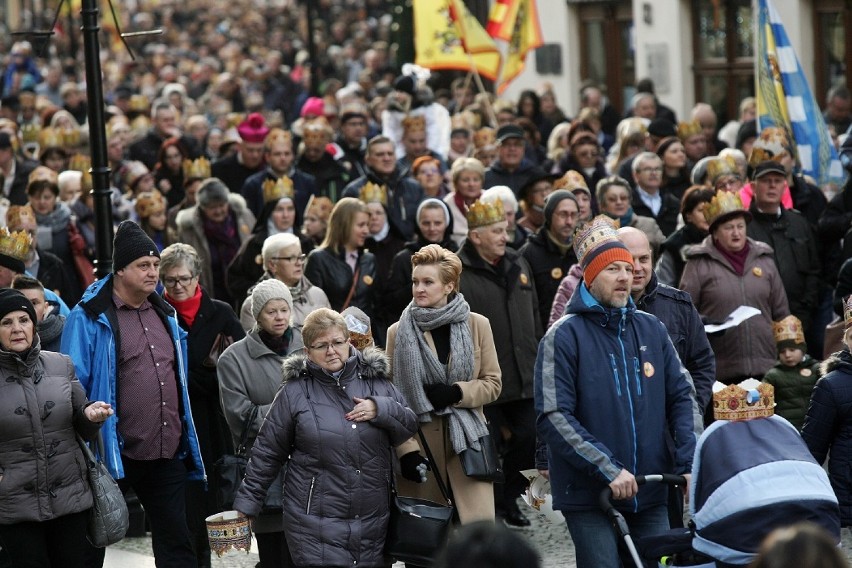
748 478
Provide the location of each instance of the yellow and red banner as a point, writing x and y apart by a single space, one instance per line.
515 21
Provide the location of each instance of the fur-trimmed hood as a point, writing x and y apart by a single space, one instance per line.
835 361
372 363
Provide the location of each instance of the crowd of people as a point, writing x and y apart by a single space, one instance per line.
412 258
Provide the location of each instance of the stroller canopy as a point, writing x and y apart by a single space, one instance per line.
750 477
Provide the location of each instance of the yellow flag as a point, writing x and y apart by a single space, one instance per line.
526 36
448 36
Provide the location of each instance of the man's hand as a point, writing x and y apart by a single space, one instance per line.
688 477
545 473
624 486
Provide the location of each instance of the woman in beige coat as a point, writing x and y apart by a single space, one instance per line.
444 362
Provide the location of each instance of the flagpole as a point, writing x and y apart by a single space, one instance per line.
488 107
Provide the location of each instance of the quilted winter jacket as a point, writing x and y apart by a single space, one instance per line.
337 486
42 470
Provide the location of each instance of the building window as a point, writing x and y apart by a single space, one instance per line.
608 55
724 54
833 52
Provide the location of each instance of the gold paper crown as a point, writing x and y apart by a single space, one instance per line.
196 169
20 218
273 190
736 403
374 193
277 135
70 137
485 136
723 202
482 214
317 132
320 206
86 183
49 138
719 167
43 173
79 163
772 144
138 103
16 244
30 133
593 234
687 129
415 123
465 119
571 180
788 329
150 203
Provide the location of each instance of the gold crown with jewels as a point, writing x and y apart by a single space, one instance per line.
374 193
482 214
591 235
571 180
734 402
275 190
16 244
788 329
687 129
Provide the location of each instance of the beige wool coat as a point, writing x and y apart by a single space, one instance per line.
473 499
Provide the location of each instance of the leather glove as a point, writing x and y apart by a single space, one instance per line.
442 396
413 467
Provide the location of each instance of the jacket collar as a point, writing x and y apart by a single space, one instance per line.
583 303
98 299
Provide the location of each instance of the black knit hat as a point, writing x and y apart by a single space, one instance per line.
130 243
13 300
16 265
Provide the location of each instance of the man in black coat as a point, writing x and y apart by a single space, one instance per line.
330 176
163 126
648 198
511 168
14 172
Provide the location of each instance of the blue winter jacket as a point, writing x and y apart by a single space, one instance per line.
88 338
608 384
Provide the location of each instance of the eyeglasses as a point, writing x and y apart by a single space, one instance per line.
297 258
428 171
182 280
650 170
337 344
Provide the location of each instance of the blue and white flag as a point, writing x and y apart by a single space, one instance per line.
784 99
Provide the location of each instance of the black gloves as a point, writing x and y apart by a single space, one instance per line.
442 396
413 467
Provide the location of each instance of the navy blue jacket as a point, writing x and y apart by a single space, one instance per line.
608 386
303 188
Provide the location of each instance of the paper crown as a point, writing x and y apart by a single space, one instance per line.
687 129
49 138
196 169
30 133
316 133
273 190
571 181
43 173
278 135
772 144
719 167
412 124
140 125
723 204
734 402
70 137
374 193
788 329
594 234
630 126
482 214
150 203
138 103
79 163
16 244
485 136
847 311
20 218
465 120
320 206
86 182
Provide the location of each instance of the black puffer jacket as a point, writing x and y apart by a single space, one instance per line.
331 273
828 427
549 266
404 196
42 470
337 486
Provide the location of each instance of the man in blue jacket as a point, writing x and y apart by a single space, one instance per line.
128 349
608 385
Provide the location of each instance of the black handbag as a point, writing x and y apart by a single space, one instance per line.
230 469
418 528
220 343
483 464
108 518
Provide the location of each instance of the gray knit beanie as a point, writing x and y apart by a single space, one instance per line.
271 289
553 200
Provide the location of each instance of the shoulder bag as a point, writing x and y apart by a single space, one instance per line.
108 519
220 343
418 528
230 469
482 464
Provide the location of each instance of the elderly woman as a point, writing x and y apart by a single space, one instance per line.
284 260
468 175
726 271
669 267
216 228
445 363
341 266
207 322
46 495
278 216
249 379
332 425
614 199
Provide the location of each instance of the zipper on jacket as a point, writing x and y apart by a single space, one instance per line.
637 375
615 374
310 496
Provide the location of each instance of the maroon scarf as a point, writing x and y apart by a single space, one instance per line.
737 259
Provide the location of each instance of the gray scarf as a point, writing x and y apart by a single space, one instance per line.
415 364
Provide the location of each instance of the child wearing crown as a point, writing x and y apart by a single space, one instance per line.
828 422
795 373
